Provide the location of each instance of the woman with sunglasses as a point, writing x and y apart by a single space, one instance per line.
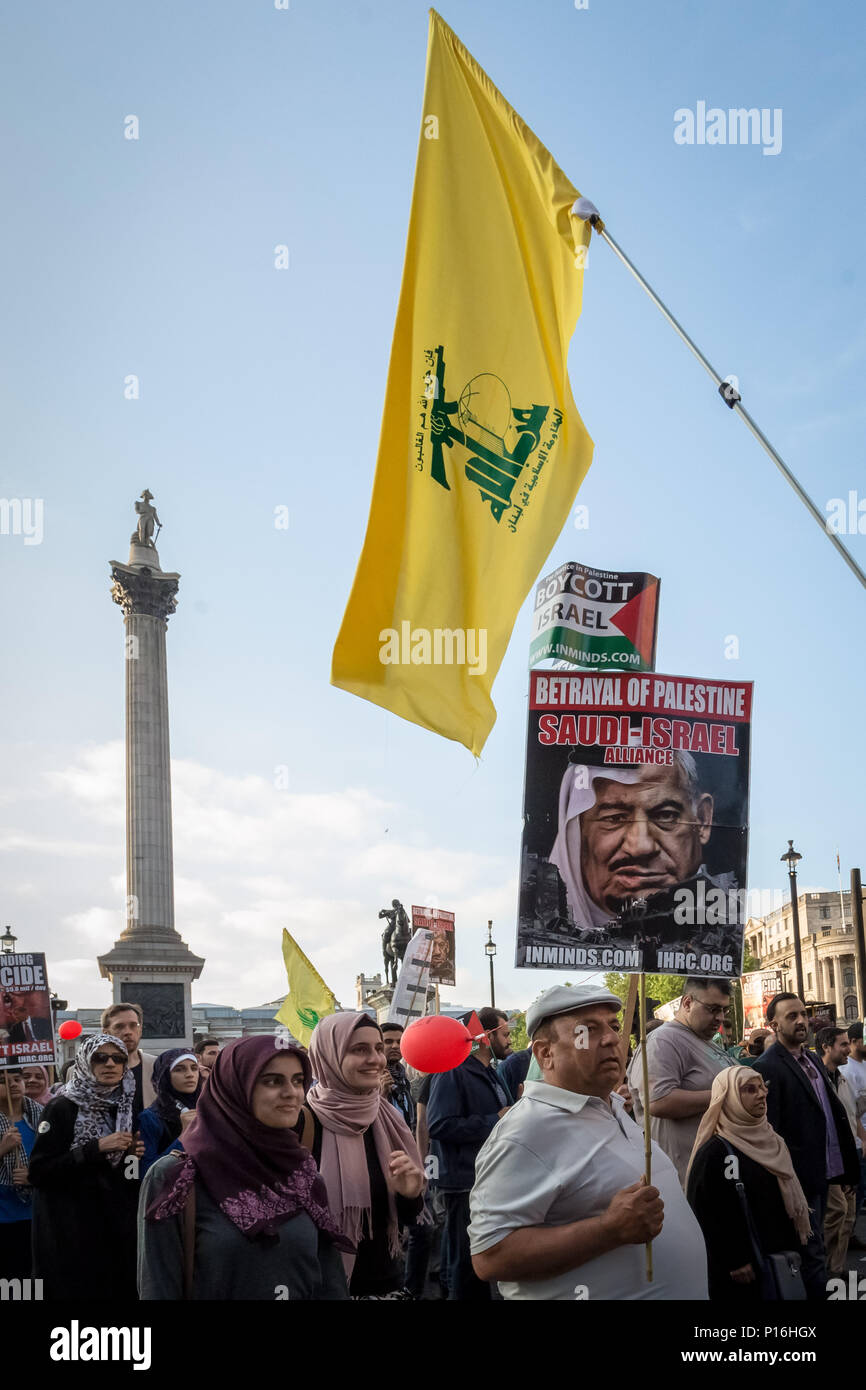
737 1144
84 1172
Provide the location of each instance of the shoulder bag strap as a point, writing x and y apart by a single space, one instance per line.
189 1243
758 1253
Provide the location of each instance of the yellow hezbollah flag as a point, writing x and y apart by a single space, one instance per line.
482 449
308 999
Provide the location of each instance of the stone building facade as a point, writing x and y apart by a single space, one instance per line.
827 946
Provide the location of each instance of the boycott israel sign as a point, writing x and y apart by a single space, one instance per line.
635 823
441 924
759 986
596 618
26 1029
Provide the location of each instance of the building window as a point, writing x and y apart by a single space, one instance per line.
825 913
851 1011
808 981
830 980
848 975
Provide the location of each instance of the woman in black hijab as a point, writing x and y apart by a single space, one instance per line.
177 1082
242 1213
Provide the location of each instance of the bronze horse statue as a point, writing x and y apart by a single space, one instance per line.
395 939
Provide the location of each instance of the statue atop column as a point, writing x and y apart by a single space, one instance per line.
395 938
147 522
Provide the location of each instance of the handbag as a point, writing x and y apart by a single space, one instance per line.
780 1274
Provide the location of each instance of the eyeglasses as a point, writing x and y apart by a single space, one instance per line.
102 1059
717 1010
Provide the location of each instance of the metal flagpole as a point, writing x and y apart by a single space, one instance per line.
588 212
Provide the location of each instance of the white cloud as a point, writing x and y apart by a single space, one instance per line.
249 860
95 926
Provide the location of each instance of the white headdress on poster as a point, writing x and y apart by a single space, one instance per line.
576 795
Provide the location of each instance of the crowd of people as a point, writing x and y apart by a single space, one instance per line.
262 1170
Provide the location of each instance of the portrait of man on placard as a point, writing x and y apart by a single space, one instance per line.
442 963
629 833
636 854
25 1015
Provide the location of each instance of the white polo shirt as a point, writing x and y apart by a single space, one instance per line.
854 1073
558 1157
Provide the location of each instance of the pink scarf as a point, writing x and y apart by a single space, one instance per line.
345 1116
45 1094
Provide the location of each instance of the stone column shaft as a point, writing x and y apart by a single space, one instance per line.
149 867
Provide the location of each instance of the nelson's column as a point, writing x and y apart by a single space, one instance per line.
149 965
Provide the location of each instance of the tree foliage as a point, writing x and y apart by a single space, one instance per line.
519 1038
660 988
750 962
664 988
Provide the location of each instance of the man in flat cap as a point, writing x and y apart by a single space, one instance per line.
560 1209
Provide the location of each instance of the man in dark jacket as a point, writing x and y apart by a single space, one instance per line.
464 1106
802 1106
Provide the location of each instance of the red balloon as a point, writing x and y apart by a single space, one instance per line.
70 1029
436 1043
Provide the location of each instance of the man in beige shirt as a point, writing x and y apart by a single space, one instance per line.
682 1062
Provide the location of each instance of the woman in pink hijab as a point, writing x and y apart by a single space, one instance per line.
364 1150
36 1086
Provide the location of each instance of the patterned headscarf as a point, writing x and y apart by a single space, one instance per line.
259 1176
101 1109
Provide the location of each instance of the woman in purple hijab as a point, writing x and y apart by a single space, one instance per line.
243 1213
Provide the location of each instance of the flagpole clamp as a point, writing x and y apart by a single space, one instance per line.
588 212
729 394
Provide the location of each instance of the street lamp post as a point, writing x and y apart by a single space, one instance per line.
792 859
490 952
57 1005
8 942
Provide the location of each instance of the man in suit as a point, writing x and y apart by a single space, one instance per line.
803 1107
23 1024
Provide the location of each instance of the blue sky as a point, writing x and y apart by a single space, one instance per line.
262 388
